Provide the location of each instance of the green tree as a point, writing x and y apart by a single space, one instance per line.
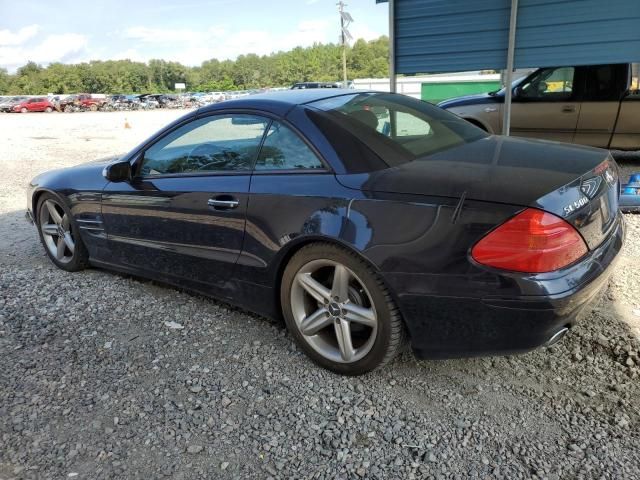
5 81
318 62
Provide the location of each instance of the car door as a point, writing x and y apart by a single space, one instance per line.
32 105
293 192
547 105
41 105
182 216
605 86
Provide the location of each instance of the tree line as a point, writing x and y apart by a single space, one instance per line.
320 62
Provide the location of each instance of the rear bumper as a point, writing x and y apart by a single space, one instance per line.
450 327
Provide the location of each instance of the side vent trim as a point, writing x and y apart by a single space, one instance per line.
92 226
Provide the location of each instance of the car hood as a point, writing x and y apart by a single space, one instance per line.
495 169
476 99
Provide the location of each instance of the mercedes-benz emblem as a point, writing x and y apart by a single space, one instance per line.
334 309
590 186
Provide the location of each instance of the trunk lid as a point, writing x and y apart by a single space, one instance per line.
590 203
579 184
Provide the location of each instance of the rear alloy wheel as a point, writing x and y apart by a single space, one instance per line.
48 109
338 310
59 235
23 110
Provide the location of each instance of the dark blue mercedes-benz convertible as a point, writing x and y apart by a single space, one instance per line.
362 218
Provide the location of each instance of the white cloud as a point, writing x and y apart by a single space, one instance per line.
7 37
360 30
188 46
65 47
171 36
192 47
128 54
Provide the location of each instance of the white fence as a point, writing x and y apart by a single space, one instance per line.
412 86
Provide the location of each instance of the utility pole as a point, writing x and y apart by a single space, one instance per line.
392 49
508 76
345 36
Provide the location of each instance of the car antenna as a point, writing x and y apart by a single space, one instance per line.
458 210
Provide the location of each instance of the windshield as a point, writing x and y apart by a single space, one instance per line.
394 128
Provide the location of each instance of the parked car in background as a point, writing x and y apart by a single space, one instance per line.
358 217
305 85
151 100
147 101
37 104
8 103
90 102
167 100
214 97
590 105
69 103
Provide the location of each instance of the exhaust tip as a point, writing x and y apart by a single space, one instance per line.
556 337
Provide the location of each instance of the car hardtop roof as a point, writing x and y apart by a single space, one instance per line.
280 102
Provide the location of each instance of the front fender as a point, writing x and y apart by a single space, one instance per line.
80 187
476 114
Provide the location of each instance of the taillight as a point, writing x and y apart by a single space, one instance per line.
533 241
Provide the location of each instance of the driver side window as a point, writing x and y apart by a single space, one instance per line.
550 84
209 144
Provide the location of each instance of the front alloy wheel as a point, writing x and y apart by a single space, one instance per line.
56 231
339 311
59 234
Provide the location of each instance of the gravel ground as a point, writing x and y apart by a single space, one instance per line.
96 385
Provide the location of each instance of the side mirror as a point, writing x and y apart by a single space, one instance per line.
117 172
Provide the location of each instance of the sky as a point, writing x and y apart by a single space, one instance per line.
190 32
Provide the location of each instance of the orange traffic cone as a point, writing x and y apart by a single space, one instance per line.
126 123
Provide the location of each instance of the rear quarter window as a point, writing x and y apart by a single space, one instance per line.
372 131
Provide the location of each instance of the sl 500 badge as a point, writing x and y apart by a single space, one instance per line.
572 207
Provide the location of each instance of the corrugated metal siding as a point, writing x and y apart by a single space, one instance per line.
457 35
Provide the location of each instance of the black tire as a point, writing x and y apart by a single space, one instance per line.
390 337
80 257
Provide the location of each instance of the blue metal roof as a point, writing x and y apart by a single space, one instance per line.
456 35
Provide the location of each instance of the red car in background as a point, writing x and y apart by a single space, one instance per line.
40 104
89 102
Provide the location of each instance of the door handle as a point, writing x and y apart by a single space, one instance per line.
223 202
568 109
